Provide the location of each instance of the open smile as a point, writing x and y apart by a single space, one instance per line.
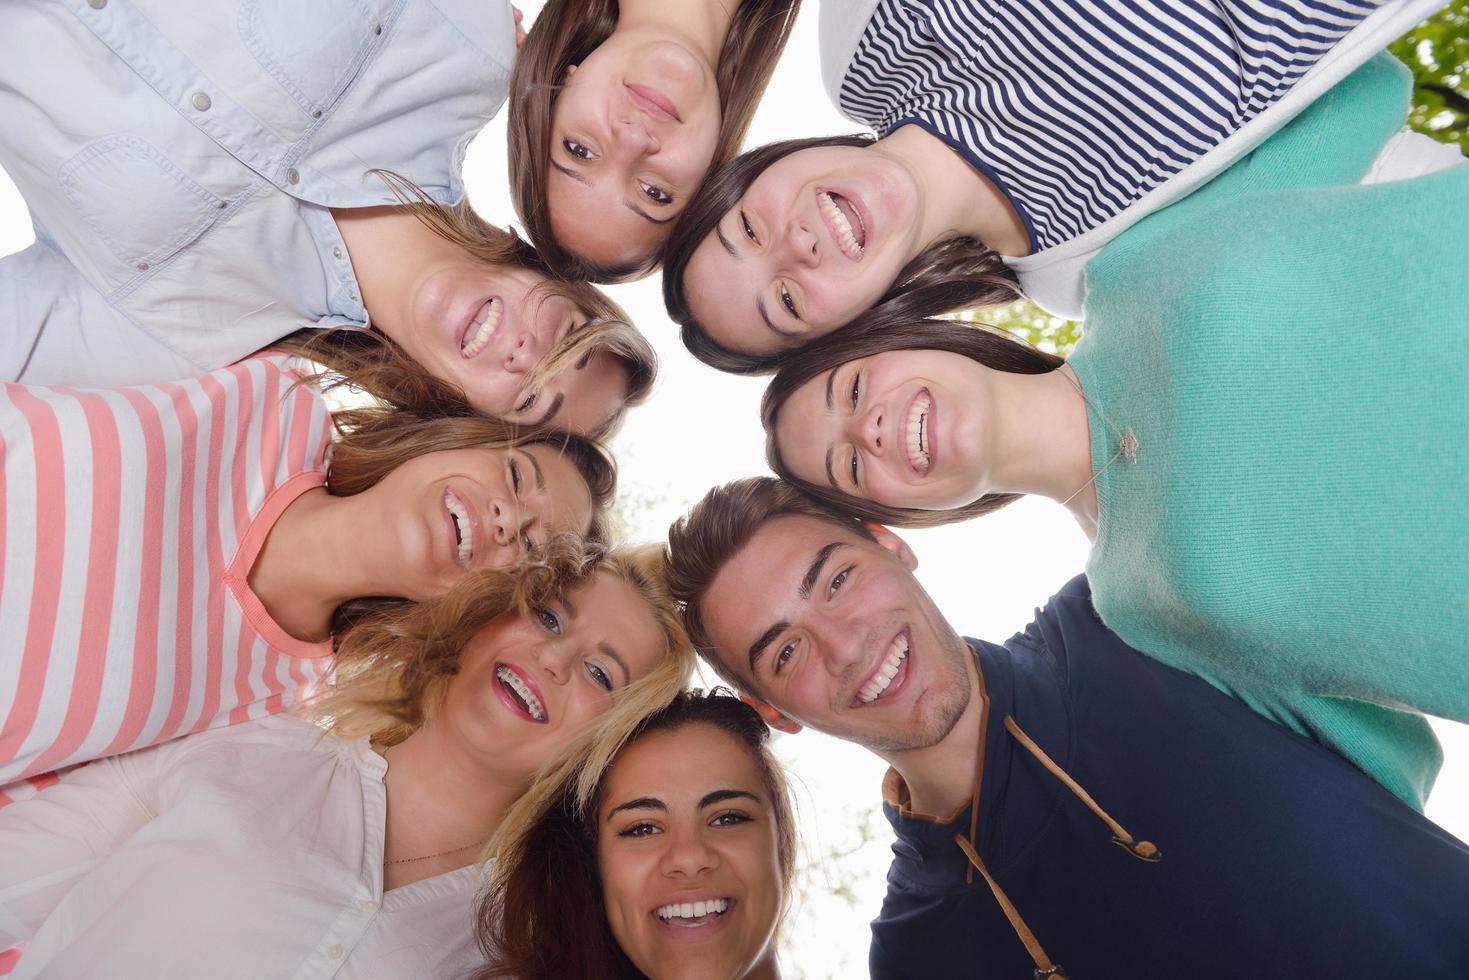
479 326
694 919
520 694
462 520
889 676
845 222
917 433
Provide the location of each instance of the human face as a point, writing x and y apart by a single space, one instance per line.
816 239
845 640
686 820
633 132
902 428
458 511
527 684
486 327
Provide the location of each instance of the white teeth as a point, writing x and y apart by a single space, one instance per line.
693 910
838 219
918 432
512 680
459 511
483 328
873 689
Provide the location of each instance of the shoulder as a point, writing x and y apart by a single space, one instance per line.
842 24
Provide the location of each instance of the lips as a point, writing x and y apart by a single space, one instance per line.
653 102
483 321
917 434
845 222
889 675
693 917
521 694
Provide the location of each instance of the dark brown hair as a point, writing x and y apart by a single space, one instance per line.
566 32
716 529
878 335
369 361
543 917
955 274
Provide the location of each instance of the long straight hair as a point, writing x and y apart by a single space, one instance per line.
879 335
369 361
543 916
958 273
564 34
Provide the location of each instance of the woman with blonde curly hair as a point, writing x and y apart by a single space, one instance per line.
354 850
179 556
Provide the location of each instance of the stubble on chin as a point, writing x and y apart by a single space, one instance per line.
938 709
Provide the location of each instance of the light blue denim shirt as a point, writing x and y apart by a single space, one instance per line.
180 159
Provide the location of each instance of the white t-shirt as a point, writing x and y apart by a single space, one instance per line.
248 852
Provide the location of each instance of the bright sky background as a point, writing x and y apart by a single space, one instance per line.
701 428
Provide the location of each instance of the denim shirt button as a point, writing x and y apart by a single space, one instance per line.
336 252
96 4
200 100
292 177
142 266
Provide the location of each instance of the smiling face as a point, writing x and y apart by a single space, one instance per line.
845 640
687 848
486 327
902 428
816 239
461 510
527 685
633 132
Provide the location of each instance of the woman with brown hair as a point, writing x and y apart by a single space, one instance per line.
180 556
618 110
665 853
353 851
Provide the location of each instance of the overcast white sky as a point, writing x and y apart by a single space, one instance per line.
701 428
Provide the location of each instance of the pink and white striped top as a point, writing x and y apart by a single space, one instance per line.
131 519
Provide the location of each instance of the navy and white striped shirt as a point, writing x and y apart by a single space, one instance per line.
1077 108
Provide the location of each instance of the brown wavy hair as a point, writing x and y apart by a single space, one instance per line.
565 33
955 274
543 916
367 360
374 440
877 335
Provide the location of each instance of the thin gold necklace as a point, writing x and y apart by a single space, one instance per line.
1127 444
452 850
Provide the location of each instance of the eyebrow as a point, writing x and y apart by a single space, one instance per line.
607 651
627 204
720 795
641 803
710 799
757 649
535 465
550 414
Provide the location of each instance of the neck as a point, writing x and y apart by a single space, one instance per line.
1041 435
315 558
956 200
766 969
443 805
940 777
701 25
377 239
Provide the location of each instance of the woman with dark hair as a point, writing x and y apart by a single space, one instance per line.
1269 515
1014 141
618 110
180 556
185 220
352 847
667 854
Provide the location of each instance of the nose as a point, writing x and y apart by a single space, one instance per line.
866 430
504 522
634 140
687 854
555 658
839 644
524 353
802 243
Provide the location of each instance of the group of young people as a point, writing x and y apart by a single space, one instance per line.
299 685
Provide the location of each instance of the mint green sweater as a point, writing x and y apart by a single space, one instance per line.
1291 351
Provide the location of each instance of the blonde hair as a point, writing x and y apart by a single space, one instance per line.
370 361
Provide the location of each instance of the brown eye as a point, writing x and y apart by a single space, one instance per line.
576 149
745 224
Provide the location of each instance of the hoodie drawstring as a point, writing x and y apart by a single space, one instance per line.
1142 850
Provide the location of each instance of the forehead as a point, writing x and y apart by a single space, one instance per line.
593 394
721 292
592 219
570 496
681 765
804 430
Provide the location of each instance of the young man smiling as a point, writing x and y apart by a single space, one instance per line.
1016 767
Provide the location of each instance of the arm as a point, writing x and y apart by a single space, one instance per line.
52 840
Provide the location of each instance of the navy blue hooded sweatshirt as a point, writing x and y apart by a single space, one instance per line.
1278 857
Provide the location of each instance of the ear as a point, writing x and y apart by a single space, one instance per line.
772 716
889 540
570 70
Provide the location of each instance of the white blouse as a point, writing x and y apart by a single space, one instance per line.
244 852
